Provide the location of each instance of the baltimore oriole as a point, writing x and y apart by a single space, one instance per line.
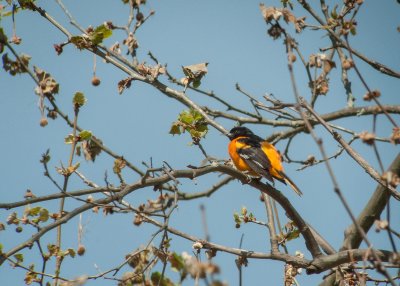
257 157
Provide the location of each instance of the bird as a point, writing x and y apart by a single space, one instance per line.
257 157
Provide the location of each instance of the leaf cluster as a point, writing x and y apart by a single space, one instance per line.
190 121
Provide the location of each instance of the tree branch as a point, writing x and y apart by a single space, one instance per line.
371 211
364 164
291 212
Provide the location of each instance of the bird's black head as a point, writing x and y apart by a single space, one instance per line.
238 132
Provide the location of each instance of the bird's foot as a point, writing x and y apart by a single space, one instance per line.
250 178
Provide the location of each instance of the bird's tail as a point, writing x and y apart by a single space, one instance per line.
290 183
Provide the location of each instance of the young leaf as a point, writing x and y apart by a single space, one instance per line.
53 249
156 279
99 34
45 157
43 215
196 83
19 257
119 164
237 218
334 13
73 168
293 235
175 129
85 135
176 261
33 211
71 252
79 99
69 139
80 42
191 121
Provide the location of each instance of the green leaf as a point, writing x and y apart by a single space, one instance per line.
99 34
196 83
79 99
69 139
186 117
251 217
43 215
334 14
80 42
1 248
237 218
176 261
191 121
175 129
70 252
197 116
33 211
85 135
156 277
19 257
293 235
53 249
199 131
45 157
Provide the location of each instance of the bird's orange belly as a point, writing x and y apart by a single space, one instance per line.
239 163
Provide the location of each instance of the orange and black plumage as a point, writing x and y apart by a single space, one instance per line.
257 157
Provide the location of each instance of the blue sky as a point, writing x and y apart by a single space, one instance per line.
231 36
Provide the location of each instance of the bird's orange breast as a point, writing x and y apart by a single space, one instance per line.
240 164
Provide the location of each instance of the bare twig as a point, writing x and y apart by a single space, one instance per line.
376 65
364 164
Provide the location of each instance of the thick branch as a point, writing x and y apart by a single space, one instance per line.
371 211
368 215
324 263
291 212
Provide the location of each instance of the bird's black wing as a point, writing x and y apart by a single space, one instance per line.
254 156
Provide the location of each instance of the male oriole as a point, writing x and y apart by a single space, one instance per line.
257 157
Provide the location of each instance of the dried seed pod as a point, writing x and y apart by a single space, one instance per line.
95 81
